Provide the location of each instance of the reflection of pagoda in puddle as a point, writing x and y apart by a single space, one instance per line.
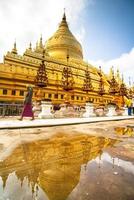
128 131
55 164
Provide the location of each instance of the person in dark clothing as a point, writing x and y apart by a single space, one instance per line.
27 110
133 106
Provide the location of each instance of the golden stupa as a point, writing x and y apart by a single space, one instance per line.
18 70
63 41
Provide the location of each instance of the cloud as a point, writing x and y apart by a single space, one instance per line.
125 63
26 20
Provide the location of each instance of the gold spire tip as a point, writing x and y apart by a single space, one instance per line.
64 15
30 45
15 44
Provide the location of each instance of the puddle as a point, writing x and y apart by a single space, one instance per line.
1 146
124 131
72 167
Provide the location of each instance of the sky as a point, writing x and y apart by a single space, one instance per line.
105 28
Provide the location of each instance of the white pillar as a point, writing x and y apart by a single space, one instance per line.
60 113
100 111
89 110
111 111
46 108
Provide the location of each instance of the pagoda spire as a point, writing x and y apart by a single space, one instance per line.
118 77
114 87
101 89
64 15
14 50
40 42
112 71
118 73
64 21
30 46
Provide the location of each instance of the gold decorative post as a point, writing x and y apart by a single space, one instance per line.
67 78
114 86
87 85
101 90
41 79
14 50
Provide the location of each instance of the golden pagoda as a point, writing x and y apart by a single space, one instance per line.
18 70
52 165
63 41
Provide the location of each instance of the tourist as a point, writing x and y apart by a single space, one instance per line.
27 110
129 105
133 106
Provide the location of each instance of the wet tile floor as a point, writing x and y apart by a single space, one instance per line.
80 162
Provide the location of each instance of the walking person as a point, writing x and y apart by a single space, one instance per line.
27 110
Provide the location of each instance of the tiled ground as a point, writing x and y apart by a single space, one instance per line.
76 162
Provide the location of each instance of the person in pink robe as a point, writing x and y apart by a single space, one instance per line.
27 109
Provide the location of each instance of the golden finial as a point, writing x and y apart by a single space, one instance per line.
64 22
40 43
118 77
14 50
64 15
15 45
112 71
118 72
30 46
